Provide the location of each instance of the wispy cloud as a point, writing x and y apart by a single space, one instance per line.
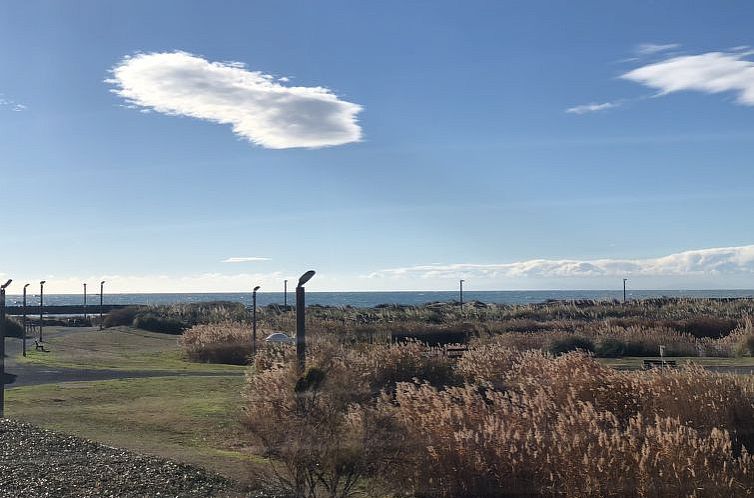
712 72
593 107
247 259
11 104
257 106
654 48
724 260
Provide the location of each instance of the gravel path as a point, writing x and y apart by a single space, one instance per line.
38 463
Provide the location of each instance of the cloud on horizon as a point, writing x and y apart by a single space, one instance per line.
244 259
258 107
716 261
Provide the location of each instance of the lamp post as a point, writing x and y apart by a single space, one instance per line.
460 292
2 346
285 295
101 301
85 313
254 321
41 307
624 290
301 320
23 342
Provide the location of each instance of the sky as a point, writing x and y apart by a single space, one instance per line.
186 146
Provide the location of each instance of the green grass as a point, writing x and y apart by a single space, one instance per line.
189 419
119 348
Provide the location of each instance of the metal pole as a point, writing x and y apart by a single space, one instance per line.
254 321
461 293
101 301
23 342
285 295
624 290
301 328
85 314
301 320
2 348
41 307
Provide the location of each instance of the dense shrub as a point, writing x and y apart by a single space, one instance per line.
13 328
572 343
121 317
228 343
155 323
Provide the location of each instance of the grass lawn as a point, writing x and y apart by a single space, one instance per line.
118 348
189 419
632 363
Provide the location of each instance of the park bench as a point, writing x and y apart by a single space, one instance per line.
40 347
649 364
455 351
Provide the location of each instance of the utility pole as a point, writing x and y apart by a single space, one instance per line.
41 307
301 320
254 321
2 347
23 342
624 290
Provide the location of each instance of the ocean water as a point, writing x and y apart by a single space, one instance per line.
370 299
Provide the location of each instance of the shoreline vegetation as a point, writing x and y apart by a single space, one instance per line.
545 399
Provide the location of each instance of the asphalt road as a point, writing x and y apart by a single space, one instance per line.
19 374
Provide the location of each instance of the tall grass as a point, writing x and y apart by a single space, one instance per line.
498 422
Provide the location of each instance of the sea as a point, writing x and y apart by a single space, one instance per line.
371 299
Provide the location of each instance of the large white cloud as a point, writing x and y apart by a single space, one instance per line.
712 72
724 260
257 106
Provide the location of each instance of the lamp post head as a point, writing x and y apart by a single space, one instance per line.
256 288
303 279
43 282
102 283
6 284
25 286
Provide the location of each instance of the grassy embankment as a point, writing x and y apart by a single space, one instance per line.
119 348
193 419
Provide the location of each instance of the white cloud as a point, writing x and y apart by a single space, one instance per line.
718 261
11 104
593 107
653 48
712 72
255 104
244 259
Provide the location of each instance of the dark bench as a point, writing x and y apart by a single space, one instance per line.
649 364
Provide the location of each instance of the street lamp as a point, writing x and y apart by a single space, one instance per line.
23 343
41 307
285 295
624 290
101 301
85 314
460 292
301 319
2 346
254 321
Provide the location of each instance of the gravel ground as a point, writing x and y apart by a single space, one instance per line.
39 463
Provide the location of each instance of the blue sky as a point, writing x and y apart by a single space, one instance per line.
388 145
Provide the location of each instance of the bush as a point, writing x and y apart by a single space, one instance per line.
121 317
156 323
228 343
610 348
573 343
13 328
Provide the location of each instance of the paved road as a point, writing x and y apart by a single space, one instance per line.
19 374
